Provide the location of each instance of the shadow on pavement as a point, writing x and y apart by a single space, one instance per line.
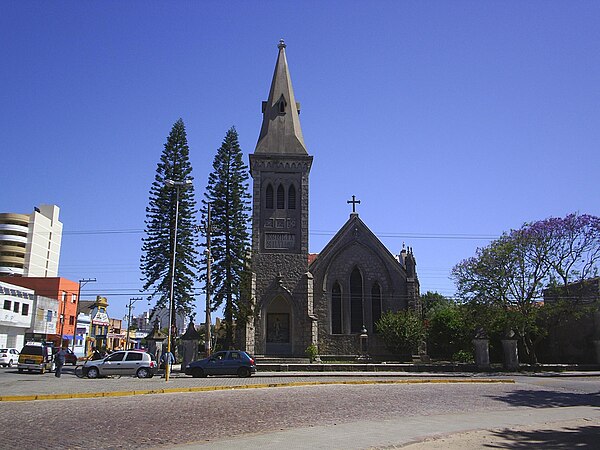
583 437
545 399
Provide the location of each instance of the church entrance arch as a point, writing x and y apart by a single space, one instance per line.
278 330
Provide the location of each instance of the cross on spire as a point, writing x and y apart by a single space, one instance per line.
354 203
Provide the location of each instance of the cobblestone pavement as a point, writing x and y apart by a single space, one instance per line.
294 417
13 383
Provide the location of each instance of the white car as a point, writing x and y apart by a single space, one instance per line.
9 356
132 362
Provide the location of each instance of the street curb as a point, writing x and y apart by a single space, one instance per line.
23 398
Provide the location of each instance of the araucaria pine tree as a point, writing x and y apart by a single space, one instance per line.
157 249
227 192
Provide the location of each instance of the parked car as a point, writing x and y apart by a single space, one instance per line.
131 362
36 356
230 362
9 356
70 357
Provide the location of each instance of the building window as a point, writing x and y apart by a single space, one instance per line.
64 296
375 305
336 309
71 320
16 307
292 197
269 197
356 301
280 197
25 309
7 304
73 298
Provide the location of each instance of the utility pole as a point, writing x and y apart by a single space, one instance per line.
207 320
131 302
82 282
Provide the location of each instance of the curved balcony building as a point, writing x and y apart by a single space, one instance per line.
30 243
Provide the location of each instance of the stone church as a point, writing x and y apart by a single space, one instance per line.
300 299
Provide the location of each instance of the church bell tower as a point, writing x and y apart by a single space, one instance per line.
280 165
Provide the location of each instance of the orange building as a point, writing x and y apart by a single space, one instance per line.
61 289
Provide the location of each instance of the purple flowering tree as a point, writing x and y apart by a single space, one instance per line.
575 248
508 277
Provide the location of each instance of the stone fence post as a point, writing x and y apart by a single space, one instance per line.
482 353
511 355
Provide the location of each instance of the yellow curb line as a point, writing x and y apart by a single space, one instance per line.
23 398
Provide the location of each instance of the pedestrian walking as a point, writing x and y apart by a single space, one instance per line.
59 361
167 358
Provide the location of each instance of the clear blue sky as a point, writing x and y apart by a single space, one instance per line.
451 121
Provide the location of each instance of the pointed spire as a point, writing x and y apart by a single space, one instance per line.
280 132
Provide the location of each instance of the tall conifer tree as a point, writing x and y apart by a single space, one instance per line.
227 192
157 248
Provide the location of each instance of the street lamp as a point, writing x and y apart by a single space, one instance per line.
207 321
178 185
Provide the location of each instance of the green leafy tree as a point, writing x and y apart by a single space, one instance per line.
227 193
401 331
449 330
157 247
431 300
509 275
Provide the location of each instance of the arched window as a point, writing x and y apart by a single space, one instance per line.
280 197
356 301
336 309
292 197
269 197
281 105
375 305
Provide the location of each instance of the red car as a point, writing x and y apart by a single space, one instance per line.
70 357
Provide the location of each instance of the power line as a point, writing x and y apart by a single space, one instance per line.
450 236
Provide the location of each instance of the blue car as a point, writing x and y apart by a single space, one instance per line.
230 362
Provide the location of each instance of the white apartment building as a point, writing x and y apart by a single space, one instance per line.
30 243
16 310
25 316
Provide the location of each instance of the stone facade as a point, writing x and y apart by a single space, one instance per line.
383 286
292 305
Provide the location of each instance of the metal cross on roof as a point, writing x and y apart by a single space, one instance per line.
354 203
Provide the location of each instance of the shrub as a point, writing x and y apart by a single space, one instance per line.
401 331
312 351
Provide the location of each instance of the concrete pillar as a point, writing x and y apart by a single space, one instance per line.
511 355
482 353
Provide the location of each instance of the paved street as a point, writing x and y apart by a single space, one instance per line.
318 416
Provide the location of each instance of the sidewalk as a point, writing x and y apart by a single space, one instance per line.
573 427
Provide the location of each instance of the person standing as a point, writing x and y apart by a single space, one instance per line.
59 361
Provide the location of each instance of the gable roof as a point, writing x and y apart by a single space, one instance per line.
347 235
